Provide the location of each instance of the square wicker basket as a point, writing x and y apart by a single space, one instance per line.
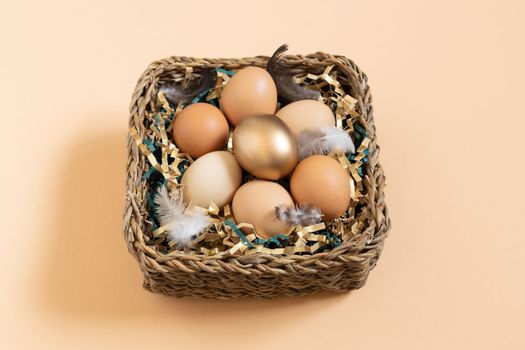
227 276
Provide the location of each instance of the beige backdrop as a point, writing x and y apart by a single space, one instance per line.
448 84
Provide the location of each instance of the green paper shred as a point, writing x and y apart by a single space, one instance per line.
277 241
360 130
155 180
225 71
200 97
150 144
332 241
148 173
359 135
238 232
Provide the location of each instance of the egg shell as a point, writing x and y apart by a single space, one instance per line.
306 114
200 128
213 177
251 91
265 147
255 202
322 182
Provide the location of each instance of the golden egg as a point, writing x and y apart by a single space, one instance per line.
265 147
250 91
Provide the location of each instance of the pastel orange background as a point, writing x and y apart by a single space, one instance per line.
448 83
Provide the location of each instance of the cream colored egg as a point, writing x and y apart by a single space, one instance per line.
306 114
213 177
254 203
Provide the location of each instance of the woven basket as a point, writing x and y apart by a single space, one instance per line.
225 276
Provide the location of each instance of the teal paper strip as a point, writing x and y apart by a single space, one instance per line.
238 232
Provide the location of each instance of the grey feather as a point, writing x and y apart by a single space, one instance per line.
299 215
287 89
323 141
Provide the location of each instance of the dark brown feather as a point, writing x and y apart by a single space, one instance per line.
175 93
287 89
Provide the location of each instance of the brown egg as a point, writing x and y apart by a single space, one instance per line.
254 203
322 182
250 91
200 128
306 114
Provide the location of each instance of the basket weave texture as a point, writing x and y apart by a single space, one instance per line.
224 276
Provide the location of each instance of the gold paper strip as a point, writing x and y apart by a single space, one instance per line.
318 238
227 211
144 149
164 102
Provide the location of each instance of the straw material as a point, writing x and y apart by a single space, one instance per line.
222 275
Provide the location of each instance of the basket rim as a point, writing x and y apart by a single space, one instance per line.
145 88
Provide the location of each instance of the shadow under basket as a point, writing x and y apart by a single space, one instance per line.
227 276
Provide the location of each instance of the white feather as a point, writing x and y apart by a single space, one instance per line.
323 141
308 142
182 223
189 225
168 208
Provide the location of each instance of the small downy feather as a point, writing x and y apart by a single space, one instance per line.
175 93
287 89
182 223
323 141
299 215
